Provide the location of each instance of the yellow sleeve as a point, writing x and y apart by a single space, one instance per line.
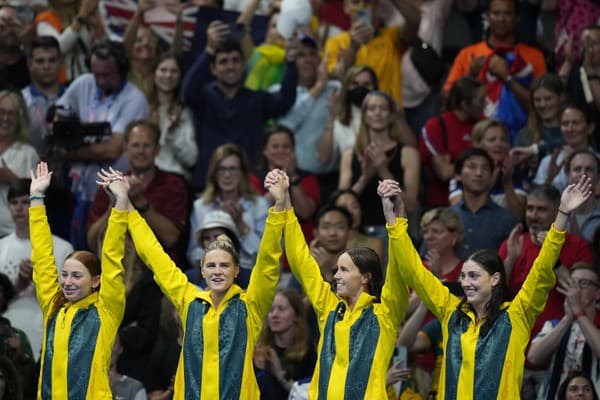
394 293
265 275
169 277
112 287
305 268
428 287
45 275
334 46
531 298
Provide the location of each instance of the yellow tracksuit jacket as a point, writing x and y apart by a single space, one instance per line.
490 366
356 345
78 339
218 345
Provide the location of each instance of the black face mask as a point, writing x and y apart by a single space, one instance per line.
357 95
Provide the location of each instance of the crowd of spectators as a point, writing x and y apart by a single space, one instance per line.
483 125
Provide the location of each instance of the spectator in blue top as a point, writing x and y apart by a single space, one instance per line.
486 223
224 111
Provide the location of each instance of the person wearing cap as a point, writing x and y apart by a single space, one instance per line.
221 324
214 224
310 112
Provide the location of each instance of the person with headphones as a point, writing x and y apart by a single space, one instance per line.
102 95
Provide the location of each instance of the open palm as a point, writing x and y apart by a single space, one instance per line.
40 179
576 194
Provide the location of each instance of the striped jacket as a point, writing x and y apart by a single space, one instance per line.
218 343
482 366
356 345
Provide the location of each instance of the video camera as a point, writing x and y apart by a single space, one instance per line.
70 133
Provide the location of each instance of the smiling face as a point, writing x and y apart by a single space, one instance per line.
145 47
583 163
167 76
589 287
575 129
281 317
547 105
438 237
76 281
228 68
219 271
477 284
350 282
229 174
495 142
502 18
141 149
278 150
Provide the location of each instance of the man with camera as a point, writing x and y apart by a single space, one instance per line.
104 96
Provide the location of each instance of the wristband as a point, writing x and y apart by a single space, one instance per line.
37 197
563 212
581 313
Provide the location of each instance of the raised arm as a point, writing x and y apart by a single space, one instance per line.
394 293
265 275
112 287
199 74
532 296
280 102
428 287
304 266
45 275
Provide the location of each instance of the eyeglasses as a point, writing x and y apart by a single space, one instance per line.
231 170
586 283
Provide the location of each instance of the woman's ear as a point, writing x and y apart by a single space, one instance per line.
496 278
95 282
366 278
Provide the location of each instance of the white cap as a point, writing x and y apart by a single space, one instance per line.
217 219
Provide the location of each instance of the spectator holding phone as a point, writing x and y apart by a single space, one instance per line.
369 43
223 110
